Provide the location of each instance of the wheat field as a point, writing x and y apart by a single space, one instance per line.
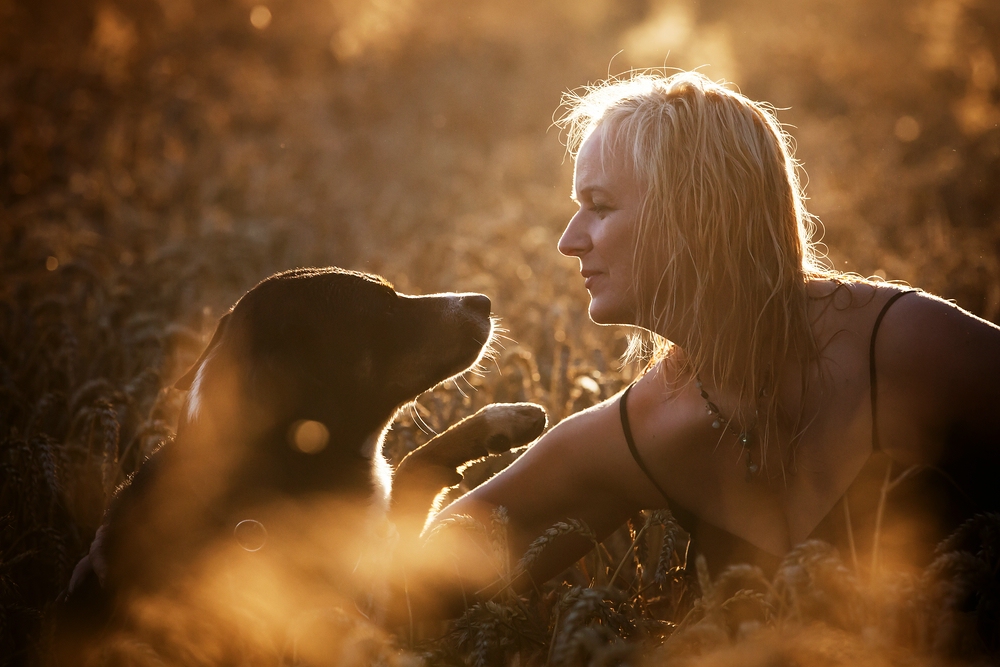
160 157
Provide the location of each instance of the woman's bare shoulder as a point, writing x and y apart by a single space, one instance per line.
910 317
923 329
938 369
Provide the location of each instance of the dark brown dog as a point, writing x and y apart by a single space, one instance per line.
275 484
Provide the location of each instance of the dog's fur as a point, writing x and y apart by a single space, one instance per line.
321 345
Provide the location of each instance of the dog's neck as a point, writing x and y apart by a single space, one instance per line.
245 429
382 477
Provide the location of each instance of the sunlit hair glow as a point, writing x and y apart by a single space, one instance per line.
724 249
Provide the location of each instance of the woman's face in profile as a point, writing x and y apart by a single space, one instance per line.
602 233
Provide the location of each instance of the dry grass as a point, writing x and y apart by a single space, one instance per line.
158 159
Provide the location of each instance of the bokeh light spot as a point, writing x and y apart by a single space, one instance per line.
309 437
260 17
51 263
907 128
250 535
345 45
524 272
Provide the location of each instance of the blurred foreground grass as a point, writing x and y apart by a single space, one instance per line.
158 158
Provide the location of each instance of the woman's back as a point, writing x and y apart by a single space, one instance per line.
821 479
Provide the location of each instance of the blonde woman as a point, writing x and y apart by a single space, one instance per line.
783 397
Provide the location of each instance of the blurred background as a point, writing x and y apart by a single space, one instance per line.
159 157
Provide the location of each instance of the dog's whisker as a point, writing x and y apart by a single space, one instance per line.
427 428
490 350
413 416
419 420
459 387
474 371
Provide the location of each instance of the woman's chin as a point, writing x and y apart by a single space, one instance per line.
602 313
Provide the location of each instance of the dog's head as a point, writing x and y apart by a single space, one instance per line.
333 347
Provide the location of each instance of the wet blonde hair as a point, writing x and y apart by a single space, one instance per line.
724 246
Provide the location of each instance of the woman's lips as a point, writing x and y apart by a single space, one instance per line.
589 277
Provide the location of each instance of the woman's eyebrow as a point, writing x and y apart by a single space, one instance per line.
588 193
591 190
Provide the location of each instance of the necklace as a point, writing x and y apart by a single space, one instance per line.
719 421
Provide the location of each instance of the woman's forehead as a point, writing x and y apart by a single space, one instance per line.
598 166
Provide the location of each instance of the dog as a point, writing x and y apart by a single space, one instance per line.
275 484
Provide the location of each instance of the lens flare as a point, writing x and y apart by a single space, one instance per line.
309 437
250 535
260 17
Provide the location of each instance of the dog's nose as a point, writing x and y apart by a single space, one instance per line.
478 303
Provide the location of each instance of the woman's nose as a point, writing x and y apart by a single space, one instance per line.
575 241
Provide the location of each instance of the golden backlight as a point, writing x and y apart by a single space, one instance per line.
158 158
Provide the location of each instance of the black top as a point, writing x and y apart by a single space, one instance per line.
849 525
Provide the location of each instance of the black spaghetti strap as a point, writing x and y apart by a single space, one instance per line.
724 545
626 427
873 378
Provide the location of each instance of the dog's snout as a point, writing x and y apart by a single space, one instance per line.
478 303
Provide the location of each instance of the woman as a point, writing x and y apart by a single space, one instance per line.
777 388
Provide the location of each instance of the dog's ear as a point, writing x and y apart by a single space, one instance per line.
186 380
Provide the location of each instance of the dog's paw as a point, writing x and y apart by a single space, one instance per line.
511 425
494 429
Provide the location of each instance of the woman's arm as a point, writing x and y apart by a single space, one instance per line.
580 469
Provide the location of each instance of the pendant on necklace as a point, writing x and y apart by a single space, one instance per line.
718 421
